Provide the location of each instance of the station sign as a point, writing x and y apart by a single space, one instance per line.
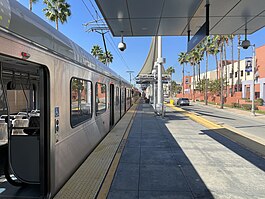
198 37
248 62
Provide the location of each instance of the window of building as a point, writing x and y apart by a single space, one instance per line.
241 73
235 74
248 73
230 75
81 101
101 98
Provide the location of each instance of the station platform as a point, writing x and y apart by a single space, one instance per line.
171 157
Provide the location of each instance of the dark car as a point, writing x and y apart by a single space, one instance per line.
183 102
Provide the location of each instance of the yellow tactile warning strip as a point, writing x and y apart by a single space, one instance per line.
103 193
86 181
251 142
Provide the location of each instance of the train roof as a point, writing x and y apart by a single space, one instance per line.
19 20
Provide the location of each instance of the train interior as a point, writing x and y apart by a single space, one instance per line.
23 142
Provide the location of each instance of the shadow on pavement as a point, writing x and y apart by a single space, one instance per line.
153 165
236 148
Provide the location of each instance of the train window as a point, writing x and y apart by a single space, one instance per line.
128 93
117 96
101 98
81 101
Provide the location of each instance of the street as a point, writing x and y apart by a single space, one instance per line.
242 120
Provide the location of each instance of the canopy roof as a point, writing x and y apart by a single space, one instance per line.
145 75
172 17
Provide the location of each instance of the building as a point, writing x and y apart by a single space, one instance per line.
244 77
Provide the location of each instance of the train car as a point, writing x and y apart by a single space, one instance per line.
57 102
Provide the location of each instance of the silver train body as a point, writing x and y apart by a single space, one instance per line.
42 66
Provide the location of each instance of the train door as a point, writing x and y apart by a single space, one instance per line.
117 111
111 105
125 100
120 102
24 123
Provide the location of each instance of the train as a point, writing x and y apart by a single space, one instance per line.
57 102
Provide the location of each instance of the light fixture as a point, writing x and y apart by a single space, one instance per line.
245 43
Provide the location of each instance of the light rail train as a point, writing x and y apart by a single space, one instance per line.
57 102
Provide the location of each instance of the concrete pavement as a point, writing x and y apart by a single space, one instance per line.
176 157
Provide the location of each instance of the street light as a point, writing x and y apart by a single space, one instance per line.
245 44
253 82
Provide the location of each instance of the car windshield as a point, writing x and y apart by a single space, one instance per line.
184 99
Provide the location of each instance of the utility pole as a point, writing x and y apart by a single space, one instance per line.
253 79
130 73
102 29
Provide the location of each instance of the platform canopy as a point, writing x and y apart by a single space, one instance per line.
145 75
173 17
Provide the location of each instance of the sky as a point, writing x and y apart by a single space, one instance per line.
133 58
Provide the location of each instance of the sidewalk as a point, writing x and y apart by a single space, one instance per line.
234 110
176 157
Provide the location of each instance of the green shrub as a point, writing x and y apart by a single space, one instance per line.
260 101
246 106
235 105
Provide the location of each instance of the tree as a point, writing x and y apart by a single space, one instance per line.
220 43
31 2
231 37
214 51
238 64
170 70
97 51
57 10
175 88
190 58
201 85
183 60
215 87
209 46
106 58
225 39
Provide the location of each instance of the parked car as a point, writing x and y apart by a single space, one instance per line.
183 102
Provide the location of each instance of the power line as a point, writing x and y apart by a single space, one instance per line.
113 43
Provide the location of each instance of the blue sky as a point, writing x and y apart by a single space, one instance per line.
137 47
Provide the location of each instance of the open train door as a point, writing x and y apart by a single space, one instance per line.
25 103
112 107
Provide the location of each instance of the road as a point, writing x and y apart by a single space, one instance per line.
241 120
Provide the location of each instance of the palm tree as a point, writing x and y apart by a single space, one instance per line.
97 51
197 58
238 64
208 45
57 10
106 58
220 43
183 60
222 77
190 58
170 70
231 37
31 2
225 43
214 51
